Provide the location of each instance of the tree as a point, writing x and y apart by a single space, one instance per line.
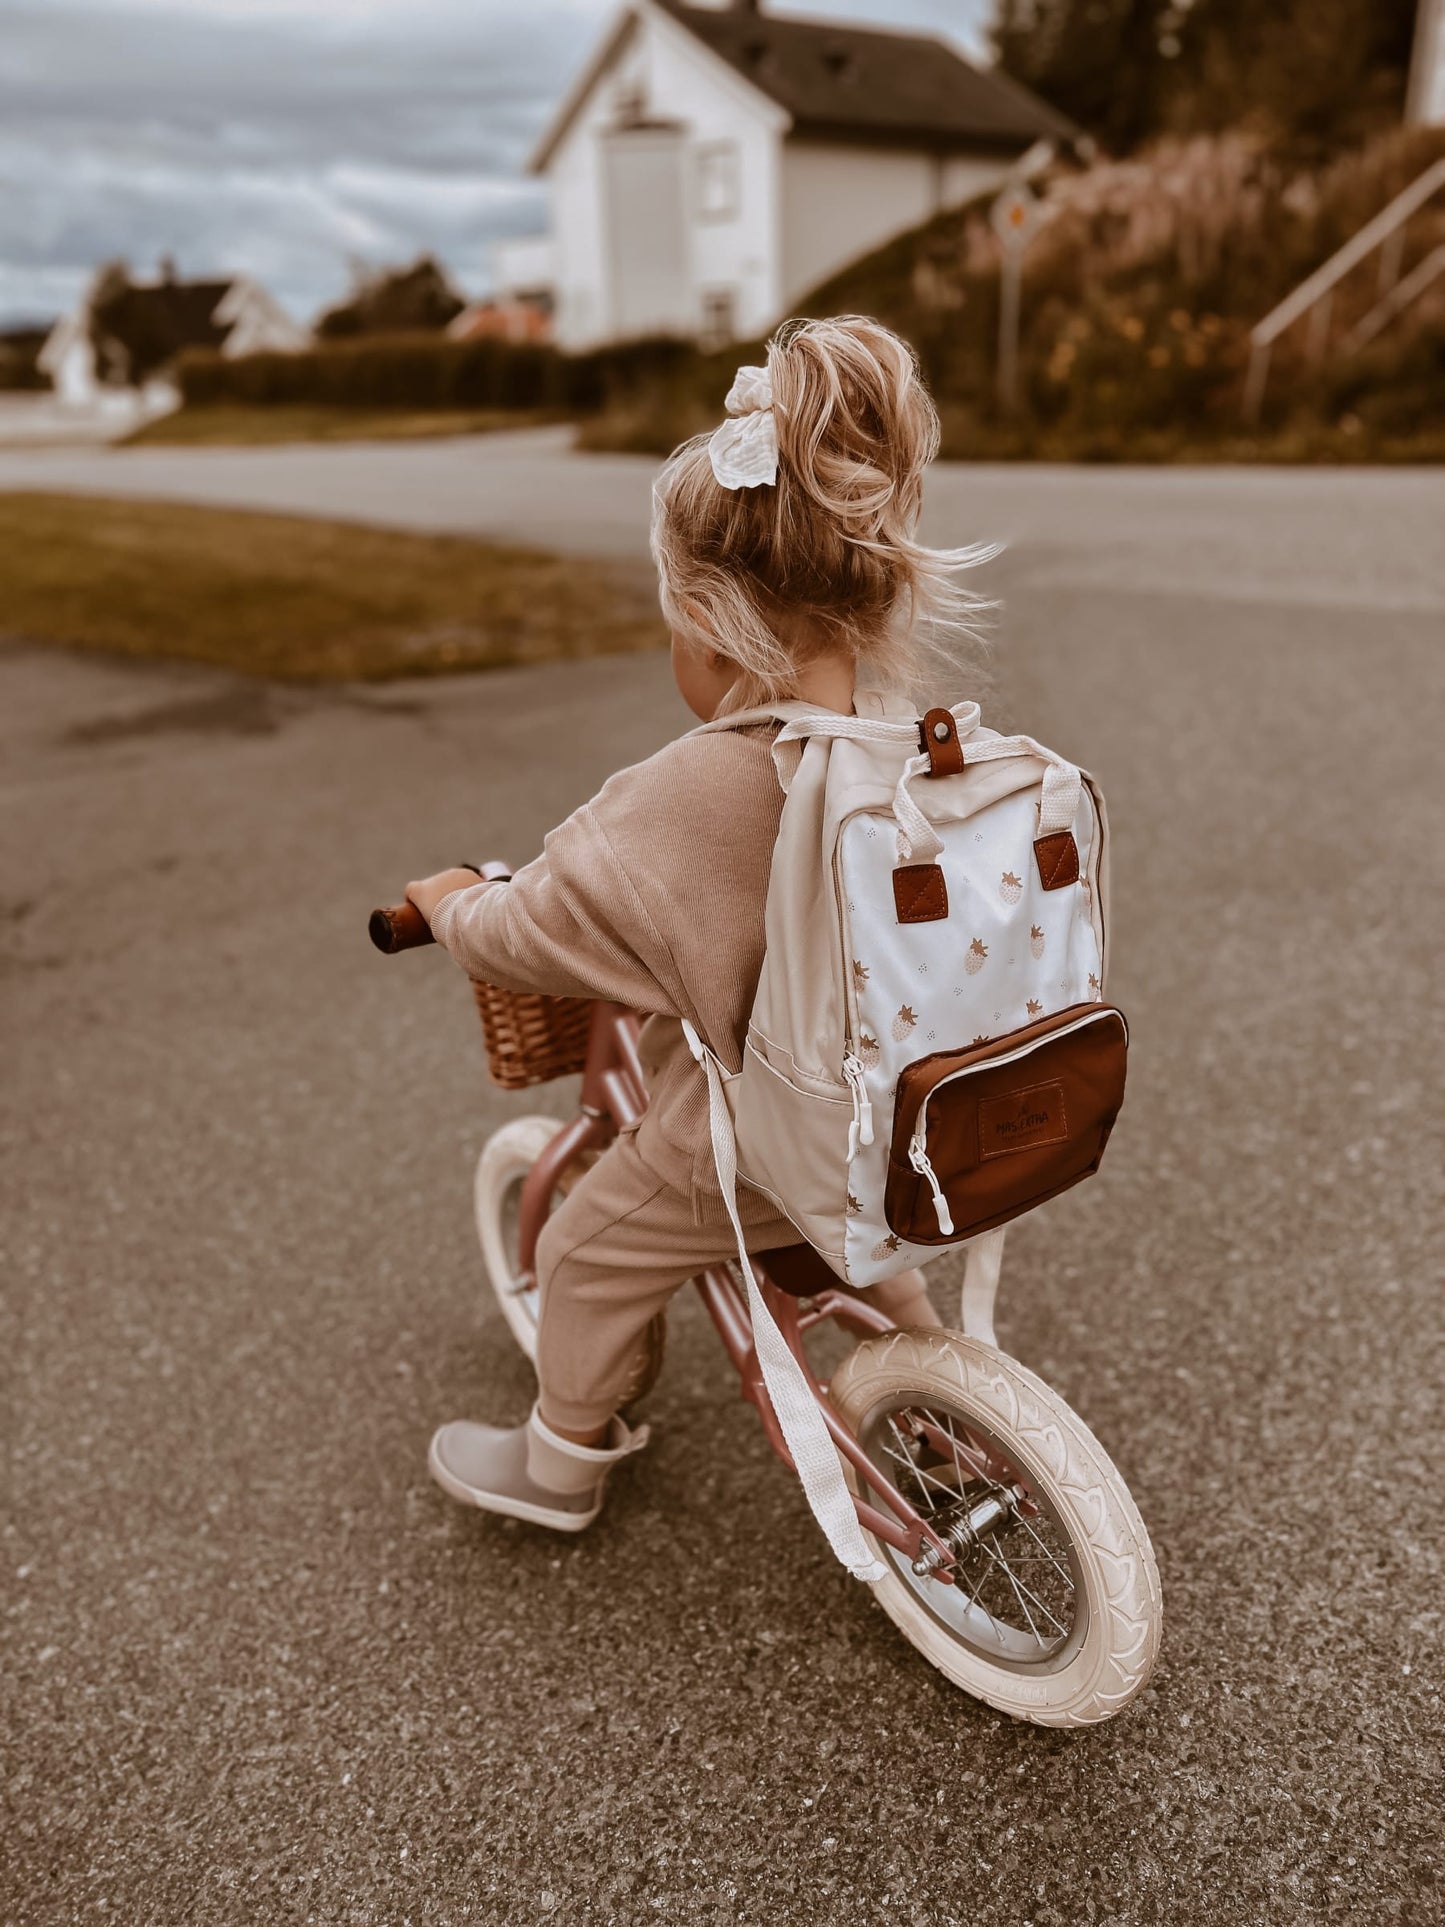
1309 73
1304 73
395 301
1098 61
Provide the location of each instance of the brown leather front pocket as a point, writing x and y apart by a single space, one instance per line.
981 1135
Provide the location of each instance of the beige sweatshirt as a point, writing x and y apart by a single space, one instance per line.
651 895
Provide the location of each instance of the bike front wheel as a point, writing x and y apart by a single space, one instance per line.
1054 1611
502 1169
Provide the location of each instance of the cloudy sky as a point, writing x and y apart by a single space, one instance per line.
291 137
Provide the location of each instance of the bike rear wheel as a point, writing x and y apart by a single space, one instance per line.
1055 1612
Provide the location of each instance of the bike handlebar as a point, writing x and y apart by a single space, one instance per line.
403 927
400 927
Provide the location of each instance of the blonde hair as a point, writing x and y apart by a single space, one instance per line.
826 559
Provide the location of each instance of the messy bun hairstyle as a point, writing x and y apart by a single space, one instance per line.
825 560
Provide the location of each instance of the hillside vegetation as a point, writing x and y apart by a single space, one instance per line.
1138 296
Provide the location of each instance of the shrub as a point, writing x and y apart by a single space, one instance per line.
421 371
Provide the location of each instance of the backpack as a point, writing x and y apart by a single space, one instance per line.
928 1054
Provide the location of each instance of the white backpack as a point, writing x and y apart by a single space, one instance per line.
928 1053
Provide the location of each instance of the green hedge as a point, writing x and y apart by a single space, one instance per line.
420 371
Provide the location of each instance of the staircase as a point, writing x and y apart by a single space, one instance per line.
1313 298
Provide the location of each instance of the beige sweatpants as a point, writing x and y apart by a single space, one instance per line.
610 1258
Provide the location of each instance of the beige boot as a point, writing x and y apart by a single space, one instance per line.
529 1471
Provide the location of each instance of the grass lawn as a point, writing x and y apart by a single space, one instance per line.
234 425
286 596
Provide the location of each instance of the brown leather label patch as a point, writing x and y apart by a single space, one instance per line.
1058 859
939 735
920 893
1021 1121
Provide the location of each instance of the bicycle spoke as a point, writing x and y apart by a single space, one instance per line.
1023 1608
1012 1597
1062 1571
980 1467
905 1458
902 1456
999 1561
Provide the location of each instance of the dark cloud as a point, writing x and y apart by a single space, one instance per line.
285 139
284 144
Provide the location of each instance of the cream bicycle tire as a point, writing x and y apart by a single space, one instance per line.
507 1156
1111 1562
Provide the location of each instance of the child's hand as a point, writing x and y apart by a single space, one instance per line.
428 893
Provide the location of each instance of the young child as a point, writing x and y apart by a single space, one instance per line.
785 544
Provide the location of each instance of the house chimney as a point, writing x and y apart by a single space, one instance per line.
167 270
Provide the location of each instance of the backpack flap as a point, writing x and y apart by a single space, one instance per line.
980 1136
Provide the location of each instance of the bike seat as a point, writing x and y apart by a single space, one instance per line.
798 1270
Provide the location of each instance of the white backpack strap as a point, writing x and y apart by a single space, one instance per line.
1059 800
814 1455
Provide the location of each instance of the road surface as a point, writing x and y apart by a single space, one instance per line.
259 1669
1370 538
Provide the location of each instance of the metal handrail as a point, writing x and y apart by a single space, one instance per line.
1421 276
1314 292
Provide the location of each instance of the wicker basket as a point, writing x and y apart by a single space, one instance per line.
530 1038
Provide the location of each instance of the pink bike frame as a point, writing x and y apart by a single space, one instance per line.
614 1095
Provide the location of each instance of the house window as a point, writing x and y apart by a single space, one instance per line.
718 318
717 181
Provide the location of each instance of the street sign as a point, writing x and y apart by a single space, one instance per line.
1015 216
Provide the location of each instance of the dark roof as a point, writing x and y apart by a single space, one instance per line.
871 83
153 324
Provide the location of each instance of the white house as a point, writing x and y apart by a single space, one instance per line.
1426 102
714 162
124 333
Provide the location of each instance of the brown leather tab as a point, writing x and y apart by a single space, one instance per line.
920 893
1057 856
938 733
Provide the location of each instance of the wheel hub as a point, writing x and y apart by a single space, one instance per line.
962 1527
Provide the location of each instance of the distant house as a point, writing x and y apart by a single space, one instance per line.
125 334
714 162
524 272
20 345
508 318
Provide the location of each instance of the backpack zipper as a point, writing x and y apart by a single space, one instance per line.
860 1131
918 1158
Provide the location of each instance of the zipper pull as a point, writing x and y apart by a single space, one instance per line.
861 1129
918 1158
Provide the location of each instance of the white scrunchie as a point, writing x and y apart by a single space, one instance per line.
744 451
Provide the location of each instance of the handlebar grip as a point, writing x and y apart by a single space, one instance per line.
402 927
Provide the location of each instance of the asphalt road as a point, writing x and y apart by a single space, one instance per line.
1305 536
259 1669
